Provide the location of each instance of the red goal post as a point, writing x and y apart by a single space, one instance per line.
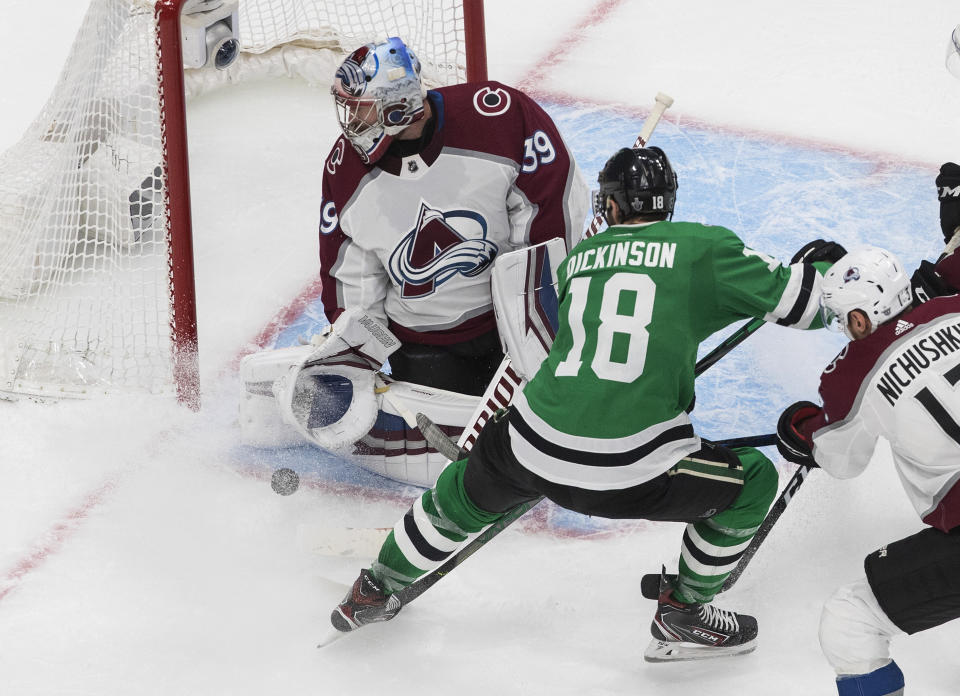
96 251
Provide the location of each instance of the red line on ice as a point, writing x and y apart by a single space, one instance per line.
538 75
280 320
597 15
884 162
53 540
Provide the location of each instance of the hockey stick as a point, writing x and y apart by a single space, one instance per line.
439 440
435 437
650 583
732 341
663 102
799 476
411 592
749 441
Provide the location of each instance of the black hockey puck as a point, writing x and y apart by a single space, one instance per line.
285 481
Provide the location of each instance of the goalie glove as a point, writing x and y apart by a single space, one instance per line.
819 250
948 191
793 445
330 397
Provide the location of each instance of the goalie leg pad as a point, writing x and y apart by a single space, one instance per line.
524 286
399 451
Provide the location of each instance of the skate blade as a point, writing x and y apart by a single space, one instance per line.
339 627
332 636
674 651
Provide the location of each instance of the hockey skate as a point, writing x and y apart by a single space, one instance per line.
697 631
365 603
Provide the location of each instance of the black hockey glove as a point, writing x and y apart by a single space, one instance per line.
793 445
948 191
819 250
926 283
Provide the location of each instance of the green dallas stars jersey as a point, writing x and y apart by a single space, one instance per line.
606 408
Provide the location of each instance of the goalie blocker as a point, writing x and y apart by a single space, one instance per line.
331 394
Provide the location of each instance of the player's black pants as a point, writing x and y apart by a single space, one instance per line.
465 368
723 494
497 482
917 580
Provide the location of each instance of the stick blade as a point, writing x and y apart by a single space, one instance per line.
650 585
439 440
332 635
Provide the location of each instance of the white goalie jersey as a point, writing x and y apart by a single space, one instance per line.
410 240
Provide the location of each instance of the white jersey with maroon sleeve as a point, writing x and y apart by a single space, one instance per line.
411 239
899 383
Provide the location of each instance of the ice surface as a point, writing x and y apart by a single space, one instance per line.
142 550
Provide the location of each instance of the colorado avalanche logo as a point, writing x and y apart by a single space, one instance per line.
441 246
336 157
351 72
852 273
491 102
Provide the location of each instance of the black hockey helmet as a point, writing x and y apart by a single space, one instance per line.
641 181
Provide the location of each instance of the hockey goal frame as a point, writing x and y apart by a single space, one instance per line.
173 129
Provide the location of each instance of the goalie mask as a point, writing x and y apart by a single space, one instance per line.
869 279
378 93
641 181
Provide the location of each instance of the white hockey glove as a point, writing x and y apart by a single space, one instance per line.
329 397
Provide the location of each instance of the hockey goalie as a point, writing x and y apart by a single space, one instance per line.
422 193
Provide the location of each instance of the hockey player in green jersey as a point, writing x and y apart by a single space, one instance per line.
602 428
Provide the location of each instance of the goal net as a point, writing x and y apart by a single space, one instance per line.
96 271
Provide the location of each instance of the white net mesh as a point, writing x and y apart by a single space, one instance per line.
83 270
434 30
84 249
